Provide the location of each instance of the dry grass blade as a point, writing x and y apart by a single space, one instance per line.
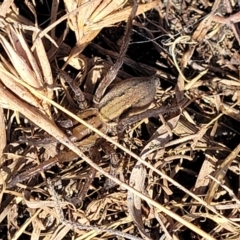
5 7
138 175
35 70
3 137
137 180
16 87
25 70
45 67
104 9
90 18
220 173
121 15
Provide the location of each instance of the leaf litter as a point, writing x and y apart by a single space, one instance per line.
179 171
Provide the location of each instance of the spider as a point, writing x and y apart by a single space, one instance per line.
128 96
132 95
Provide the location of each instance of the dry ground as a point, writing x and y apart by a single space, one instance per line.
184 163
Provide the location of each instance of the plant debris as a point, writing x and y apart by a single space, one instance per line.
165 169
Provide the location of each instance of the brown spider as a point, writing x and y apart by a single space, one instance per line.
131 95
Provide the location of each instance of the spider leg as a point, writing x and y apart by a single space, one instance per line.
80 98
95 156
113 71
114 162
123 123
63 157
